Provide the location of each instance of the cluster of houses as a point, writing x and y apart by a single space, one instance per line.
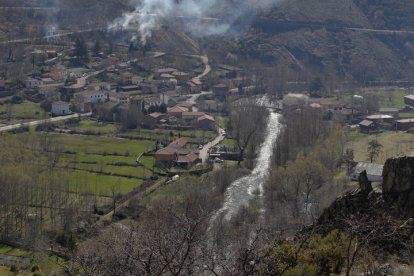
176 154
180 114
389 118
383 119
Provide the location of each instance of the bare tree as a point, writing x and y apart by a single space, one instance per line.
246 123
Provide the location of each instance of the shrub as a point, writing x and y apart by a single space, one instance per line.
35 268
14 268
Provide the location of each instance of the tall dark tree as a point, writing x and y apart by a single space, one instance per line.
81 51
96 48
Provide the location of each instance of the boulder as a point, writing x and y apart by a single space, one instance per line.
398 184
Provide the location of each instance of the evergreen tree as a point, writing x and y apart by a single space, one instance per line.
81 51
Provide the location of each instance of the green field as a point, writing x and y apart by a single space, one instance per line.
393 98
90 149
93 125
407 115
101 185
8 250
394 144
194 136
24 111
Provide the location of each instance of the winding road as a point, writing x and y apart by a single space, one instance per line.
45 121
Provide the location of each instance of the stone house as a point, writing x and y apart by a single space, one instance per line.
60 108
221 91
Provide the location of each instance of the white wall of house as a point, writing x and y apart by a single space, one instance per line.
60 108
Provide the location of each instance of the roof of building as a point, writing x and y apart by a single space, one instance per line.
180 74
220 85
166 76
166 151
193 114
178 144
177 109
166 70
189 158
315 105
152 100
404 121
155 115
185 105
366 123
388 109
91 93
371 168
206 117
379 117
410 97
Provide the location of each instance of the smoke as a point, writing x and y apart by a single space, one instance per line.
51 25
200 17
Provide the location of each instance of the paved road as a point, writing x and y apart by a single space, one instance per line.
39 122
204 152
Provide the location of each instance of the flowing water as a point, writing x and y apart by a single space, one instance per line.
241 191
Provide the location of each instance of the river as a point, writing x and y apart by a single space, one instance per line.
242 190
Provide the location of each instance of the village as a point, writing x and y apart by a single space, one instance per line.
152 94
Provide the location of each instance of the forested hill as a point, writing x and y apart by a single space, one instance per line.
345 40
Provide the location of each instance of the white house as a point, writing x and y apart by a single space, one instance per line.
100 86
374 171
152 101
32 83
121 98
60 108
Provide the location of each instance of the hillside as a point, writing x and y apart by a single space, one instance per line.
339 40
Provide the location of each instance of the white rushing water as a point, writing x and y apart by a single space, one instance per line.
241 191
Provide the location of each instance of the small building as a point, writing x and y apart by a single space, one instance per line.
186 105
38 56
193 86
380 118
168 71
126 78
152 101
60 108
405 124
83 100
149 88
192 117
409 100
120 97
210 106
221 91
206 122
166 77
187 161
181 77
293 101
151 120
177 111
394 112
32 83
367 127
100 86
169 155
374 171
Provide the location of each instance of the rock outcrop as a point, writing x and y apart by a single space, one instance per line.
398 185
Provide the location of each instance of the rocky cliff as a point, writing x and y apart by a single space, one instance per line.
383 220
398 185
